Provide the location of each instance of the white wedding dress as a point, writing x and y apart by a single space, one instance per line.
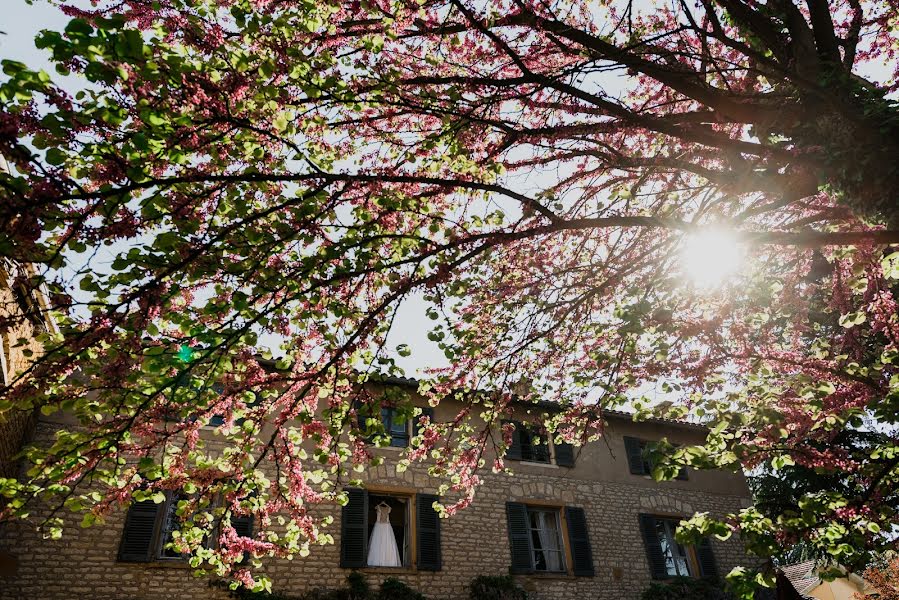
382 550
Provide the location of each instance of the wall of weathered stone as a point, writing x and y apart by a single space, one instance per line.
475 542
15 426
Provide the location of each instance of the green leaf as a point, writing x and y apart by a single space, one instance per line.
852 319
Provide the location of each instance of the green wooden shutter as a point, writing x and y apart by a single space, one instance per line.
354 529
706 559
579 539
426 411
634 451
514 451
139 532
243 526
653 546
519 538
427 527
564 454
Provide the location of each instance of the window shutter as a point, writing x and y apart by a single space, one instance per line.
519 538
706 559
426 411
243 526
634 455
654 555
579 538
354 529
564 455
514 451
427 526
139 531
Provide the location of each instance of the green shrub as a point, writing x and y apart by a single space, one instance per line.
358 586
357 589
495 587
394 589
686 588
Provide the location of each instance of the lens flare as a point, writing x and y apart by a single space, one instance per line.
711 256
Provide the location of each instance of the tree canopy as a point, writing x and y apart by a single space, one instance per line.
202 174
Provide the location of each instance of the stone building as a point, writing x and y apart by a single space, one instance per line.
570 524
23 317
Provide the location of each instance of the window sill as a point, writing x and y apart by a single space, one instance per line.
159 564
537 464
389 570
548 575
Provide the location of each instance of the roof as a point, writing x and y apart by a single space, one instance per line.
411 382
554 406
803 576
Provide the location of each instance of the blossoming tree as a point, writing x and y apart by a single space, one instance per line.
215 171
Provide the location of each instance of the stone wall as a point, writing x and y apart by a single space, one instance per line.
15 426
474 542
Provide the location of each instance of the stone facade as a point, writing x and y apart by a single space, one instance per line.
474 542
16 340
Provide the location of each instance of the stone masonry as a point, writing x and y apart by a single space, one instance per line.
474 542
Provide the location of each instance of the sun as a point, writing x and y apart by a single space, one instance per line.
711 256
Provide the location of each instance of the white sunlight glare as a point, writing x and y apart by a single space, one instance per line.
711 256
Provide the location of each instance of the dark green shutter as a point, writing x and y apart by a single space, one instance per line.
706 559
354 529
519 538
564 455
427 526
243 526
514 451
426 411
634 450
139 532
653 546
579 539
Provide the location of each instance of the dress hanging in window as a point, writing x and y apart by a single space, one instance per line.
382 550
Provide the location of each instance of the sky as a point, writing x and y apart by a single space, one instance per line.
21 22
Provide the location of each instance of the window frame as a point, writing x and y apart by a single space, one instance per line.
167 512
646 465
159 537
532 430
410 426
413 532
573 521
561 536
696 567
409 530
387 422
685 552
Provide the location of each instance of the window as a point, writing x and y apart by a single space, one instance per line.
414 523
669 558
638 460
530 445
396 428
676 560
537 542
170 524
546 540
149 530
